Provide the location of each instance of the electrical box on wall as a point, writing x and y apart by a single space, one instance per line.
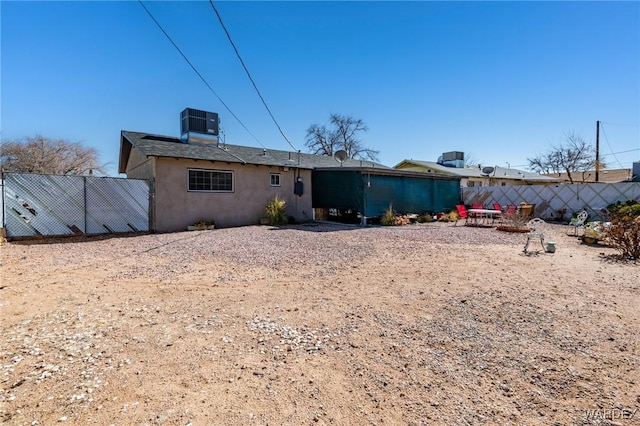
298 187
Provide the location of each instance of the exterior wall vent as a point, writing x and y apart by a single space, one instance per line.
196 121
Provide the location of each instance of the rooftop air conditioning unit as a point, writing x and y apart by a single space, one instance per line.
452 156
196 121
453 159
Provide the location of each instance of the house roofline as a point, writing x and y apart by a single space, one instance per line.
390 172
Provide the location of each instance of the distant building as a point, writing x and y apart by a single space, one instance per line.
605 176
452 163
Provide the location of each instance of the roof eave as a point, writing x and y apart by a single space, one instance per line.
125 152
389 172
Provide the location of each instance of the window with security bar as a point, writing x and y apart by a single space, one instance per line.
203 180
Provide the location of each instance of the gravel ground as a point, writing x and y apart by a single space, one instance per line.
319 324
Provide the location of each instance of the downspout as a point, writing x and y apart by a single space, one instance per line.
363 222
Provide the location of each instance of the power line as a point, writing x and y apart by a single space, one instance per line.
249 75
621 124
609 145
621 152
198 73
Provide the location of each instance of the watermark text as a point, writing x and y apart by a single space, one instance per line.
610 413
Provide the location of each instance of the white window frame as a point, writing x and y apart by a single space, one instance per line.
271 176
233 180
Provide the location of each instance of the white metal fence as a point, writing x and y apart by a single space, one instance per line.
51 205
550 200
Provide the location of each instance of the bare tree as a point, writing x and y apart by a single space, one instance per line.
342 135
574 155
320 140
471 160
39 154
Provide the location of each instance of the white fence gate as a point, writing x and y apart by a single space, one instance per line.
35 204
549 200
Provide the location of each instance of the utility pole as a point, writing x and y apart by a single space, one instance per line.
597 150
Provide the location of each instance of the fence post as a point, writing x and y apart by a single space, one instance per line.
152 206
3 200
84 187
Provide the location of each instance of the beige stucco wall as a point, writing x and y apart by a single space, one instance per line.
411 168
139 166
176 207
464 183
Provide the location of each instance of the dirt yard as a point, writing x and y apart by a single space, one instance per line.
318 324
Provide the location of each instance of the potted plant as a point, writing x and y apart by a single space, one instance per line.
202 225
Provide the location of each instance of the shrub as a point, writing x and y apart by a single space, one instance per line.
277 212
388 217
424 218
613 208
205 223
452 216
624 231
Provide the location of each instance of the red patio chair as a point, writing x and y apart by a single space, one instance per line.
511 210
497 207
478 215
462 214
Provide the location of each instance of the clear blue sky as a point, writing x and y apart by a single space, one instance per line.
499 80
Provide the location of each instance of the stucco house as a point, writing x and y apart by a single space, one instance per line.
589 176
199 178
452 163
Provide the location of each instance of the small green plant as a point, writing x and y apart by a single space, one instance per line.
624 231
277 212
424 218
388 217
